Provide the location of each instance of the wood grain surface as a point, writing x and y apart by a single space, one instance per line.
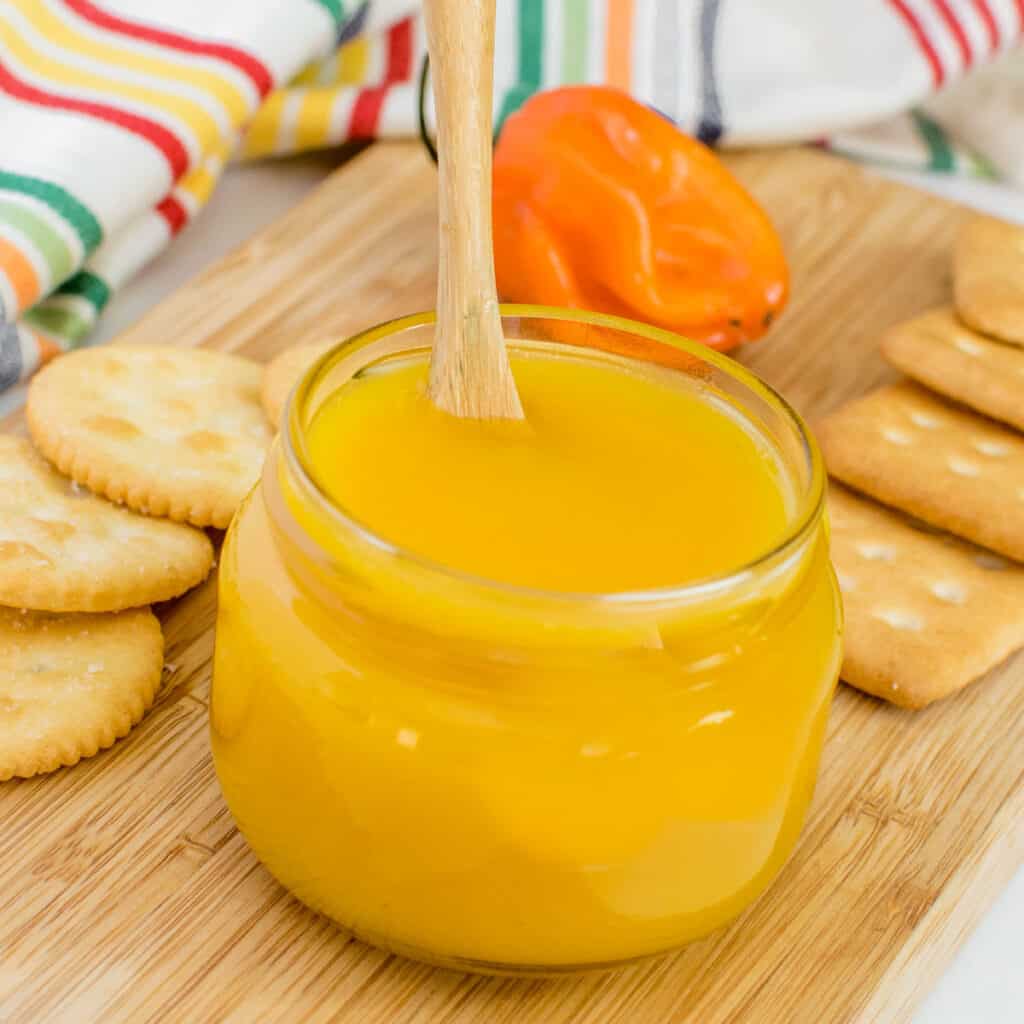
126 893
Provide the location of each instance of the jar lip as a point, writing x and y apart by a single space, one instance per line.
809 508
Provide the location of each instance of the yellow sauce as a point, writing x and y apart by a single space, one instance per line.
479 774
615 481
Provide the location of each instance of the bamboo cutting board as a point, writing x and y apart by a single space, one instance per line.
126 894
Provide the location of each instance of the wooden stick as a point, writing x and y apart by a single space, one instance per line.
469 370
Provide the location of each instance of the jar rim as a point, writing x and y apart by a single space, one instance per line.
810 502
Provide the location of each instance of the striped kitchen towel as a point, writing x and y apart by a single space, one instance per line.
117 116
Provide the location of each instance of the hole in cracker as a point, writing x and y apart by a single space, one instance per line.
847 583
55 529
896 436
962 467
968 346
924 419
899 618
992 448
11 549
949 591
875 552
207 441
113 426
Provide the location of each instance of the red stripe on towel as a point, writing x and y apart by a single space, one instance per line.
249 65
928 51
963 44
153 132
363 120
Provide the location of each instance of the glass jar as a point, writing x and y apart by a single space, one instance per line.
501 779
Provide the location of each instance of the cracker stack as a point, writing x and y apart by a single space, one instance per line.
927 614
166 432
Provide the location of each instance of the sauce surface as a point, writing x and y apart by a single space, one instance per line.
616 481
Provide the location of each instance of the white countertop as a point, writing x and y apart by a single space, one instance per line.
985 983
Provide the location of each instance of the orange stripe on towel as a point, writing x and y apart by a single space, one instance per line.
20 273
618 50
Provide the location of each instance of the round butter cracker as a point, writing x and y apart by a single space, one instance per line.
71 685
281 374
63 549
167 431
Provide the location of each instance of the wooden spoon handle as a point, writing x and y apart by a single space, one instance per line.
469 371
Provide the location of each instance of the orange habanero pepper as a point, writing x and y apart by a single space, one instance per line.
600 203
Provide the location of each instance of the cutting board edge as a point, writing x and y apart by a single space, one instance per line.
958 909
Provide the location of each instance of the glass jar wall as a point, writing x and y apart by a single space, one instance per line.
500 778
